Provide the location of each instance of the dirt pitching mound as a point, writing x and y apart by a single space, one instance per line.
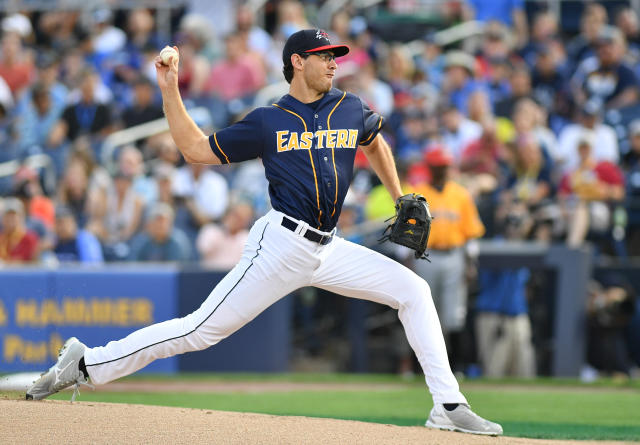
58 422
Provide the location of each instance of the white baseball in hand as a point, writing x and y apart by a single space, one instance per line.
166 54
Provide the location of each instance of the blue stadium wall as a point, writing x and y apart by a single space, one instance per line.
40 308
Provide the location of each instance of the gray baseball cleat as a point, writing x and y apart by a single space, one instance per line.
63 374
461 419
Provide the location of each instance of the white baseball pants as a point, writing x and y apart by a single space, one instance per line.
275 262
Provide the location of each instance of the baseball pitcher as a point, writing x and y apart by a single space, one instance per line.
307 142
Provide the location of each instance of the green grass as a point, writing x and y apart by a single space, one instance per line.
545 408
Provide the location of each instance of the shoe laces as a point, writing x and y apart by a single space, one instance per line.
76 388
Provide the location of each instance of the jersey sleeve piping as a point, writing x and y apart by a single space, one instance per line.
373 133
217 150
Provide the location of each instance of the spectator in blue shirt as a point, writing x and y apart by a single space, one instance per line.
503 328
73 244
161 241
459 81
509 12
607 79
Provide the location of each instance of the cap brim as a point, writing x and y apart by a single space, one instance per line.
338 50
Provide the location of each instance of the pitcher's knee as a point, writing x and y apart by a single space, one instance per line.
415 290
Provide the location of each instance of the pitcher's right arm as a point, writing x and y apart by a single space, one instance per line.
191 141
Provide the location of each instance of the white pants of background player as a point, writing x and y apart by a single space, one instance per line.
275 262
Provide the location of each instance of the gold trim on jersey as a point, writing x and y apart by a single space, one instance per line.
215 138
373 132
333 153
315 177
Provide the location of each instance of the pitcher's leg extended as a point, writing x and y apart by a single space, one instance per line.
355 271
254 284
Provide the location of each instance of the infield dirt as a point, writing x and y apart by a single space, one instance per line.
62 422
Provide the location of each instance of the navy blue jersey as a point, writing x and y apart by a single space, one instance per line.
307 151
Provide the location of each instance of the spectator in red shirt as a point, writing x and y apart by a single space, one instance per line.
587 194
17 243
238 75
15 68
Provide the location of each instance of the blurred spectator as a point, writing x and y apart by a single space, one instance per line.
17 243
631 168
258 41
479 106
163 177
87 117
205 192
458 131
459 81
141 39
195 31
194 71
221 245
610 308
37 120
455 222
238 74
107 38
16 64
48 75
587 193
626 19
346 29
496 47
161 149
74 191
631 159
497 78
399 68
582 46
18 24
250 185
40 211
55 29
375 92
606 79
520 82
548 79
122 217
144 107
529 119
602 137
529 182
291 18
141 33
412 136
509 12
6 99
544 31
160 241
503 327
73 244
481 159
431 60
131 164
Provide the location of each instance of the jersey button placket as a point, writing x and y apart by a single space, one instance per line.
317 150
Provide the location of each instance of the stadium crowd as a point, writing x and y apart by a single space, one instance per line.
536 124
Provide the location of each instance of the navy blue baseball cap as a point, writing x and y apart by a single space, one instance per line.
310 41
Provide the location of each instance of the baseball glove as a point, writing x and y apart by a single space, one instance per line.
411 224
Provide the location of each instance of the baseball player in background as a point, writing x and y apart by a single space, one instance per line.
307 142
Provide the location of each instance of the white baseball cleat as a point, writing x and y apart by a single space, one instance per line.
63 374
461 419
